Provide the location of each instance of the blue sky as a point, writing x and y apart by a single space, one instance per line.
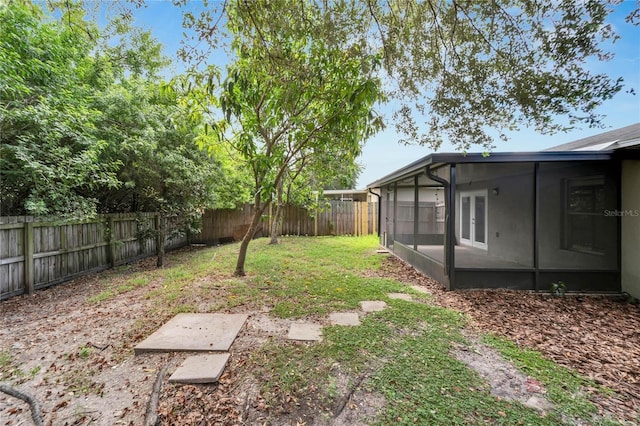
382 153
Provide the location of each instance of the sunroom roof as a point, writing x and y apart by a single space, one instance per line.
440 159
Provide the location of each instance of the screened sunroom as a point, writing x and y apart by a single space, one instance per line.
509 220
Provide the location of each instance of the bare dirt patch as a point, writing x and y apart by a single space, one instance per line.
595 335
506 381
238 397
68 354
76 357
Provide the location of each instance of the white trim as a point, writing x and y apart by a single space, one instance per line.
472 237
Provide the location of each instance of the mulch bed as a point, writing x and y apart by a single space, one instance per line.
595 335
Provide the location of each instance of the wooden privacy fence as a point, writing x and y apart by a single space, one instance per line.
35 253
344 218
335 218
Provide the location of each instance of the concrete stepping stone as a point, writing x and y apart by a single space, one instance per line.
194 332
344 318
305 331
372 305
400 296
200 369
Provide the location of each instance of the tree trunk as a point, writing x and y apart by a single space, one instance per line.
242 255
160 240
275 225
277 217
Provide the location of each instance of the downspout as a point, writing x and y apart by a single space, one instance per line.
536 226
618 163
379 208
448 258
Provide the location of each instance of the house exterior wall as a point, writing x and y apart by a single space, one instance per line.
510 210
554 206
630 243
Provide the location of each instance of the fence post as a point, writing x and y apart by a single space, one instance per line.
315 222
160 225
364 218
28 258
112 242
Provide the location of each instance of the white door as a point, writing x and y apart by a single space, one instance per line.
473 218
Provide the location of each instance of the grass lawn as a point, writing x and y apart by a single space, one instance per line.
400 355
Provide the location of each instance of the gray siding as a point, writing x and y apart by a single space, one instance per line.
510 211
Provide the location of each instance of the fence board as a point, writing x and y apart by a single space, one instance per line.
336 218
37 254
57 251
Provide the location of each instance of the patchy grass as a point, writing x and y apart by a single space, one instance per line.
297 278
400 354
10 370
312 277
35 370
115 286
8 366
102 296
81 382
567 389
5 359
403 351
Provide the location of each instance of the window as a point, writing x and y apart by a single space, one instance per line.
584 227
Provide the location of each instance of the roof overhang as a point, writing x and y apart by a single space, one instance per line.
442 159
344 191
613 139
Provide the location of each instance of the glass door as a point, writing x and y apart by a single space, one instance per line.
473 218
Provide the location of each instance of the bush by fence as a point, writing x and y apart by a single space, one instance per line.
36 253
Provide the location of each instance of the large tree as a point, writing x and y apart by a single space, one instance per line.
289 92
463 70
466 69
161 169
476 67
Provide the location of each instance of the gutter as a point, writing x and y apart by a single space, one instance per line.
379 209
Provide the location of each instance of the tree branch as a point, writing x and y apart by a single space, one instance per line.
382 36
36 412
151 415
441 33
